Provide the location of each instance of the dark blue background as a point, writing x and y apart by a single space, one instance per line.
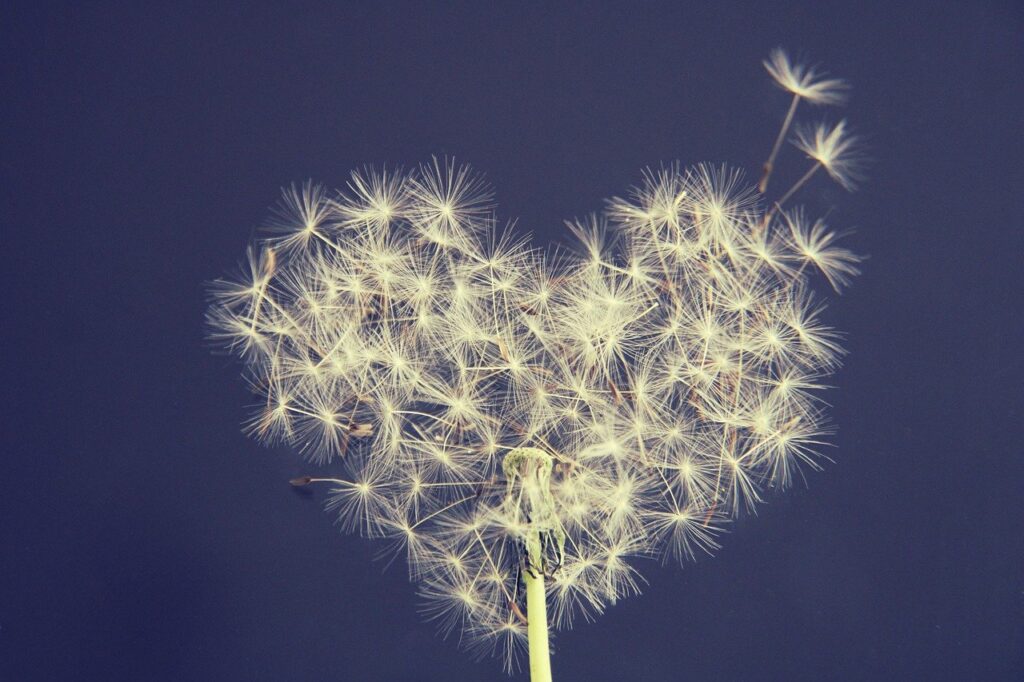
143 537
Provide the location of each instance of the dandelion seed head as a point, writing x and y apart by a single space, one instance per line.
477 395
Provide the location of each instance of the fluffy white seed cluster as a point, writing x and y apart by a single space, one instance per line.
480 396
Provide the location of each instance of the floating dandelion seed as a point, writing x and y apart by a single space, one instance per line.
804 81
522 428
804 84
834 149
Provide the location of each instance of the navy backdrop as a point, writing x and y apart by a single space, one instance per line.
143 537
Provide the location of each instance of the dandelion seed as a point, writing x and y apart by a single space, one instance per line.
814 244
834 148
301 218
803 81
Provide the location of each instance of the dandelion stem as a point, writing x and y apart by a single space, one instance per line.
792 190
769 165
537 611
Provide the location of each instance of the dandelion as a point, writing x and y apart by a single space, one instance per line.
524 429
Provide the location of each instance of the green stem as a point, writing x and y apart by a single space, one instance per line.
537 612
